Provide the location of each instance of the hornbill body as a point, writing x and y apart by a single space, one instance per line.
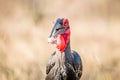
64 63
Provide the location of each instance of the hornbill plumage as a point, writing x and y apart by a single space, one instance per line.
64 63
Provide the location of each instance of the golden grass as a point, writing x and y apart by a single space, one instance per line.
24 50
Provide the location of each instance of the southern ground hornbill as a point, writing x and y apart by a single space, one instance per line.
64 63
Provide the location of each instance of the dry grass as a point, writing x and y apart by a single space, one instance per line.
26 24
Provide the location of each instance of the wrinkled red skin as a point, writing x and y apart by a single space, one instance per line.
62 40
65 23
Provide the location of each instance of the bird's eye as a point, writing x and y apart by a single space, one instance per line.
58 29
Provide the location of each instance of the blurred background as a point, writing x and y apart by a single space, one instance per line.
26 24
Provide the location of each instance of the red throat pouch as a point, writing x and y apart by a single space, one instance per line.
60 43
62 40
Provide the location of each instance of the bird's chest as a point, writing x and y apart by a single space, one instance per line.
58 72
63 72
62 68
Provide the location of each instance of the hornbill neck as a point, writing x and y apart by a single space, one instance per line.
67 49
67 54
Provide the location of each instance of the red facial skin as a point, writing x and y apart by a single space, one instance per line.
65 23
63 39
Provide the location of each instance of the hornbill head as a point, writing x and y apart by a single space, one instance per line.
60 34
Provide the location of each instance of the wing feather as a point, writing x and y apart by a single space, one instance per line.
50 63
77 64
